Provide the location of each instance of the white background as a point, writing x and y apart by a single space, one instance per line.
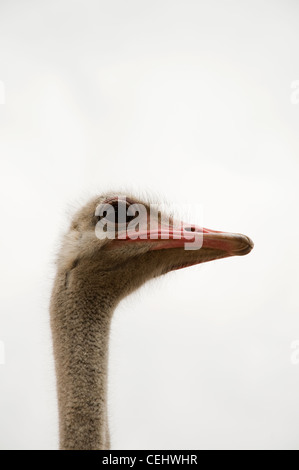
186 99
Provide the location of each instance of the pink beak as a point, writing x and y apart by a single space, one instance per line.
192 238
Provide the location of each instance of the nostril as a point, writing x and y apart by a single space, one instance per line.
190 229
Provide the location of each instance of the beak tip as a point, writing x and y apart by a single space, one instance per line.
248 245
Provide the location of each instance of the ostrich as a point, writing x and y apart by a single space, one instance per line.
93 274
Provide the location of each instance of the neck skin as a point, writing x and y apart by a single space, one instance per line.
80 322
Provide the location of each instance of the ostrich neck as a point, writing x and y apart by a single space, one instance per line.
80 321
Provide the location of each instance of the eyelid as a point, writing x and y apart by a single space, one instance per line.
113 200
114 203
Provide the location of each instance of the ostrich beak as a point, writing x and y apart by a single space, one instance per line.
196 238
186 245
194 245
207 245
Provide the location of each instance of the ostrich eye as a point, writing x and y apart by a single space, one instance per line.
119 213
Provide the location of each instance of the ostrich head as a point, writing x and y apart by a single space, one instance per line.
143 244
104 256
